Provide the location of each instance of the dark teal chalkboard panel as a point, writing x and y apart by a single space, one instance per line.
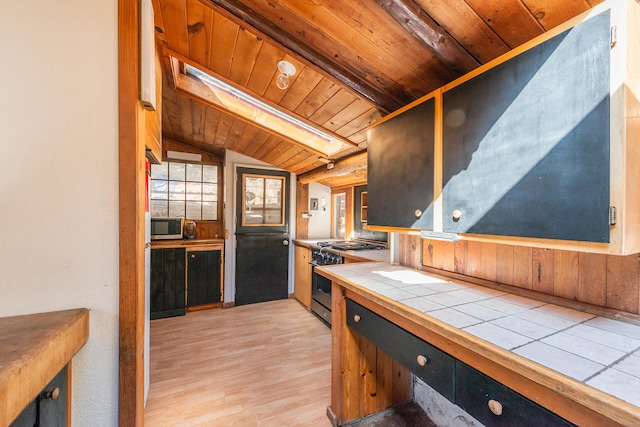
400 169
526 144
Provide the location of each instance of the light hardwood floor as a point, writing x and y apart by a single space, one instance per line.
266 364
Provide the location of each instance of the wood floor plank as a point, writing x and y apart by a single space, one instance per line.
266 364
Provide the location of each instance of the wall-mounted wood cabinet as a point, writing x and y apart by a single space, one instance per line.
536 148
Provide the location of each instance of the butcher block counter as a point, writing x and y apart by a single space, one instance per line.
582 365
33 349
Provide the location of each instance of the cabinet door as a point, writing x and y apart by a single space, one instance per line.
526 143
203 277
168 278
400 169
49 409
302 275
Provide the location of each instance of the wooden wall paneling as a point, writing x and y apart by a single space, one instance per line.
592 278
223 43
565 274
244 57
469 29
212 117
449 256
238 128
368 377
522 259
352 111
561 11
250 138
266 148
320 94
265 69
510 20
275 94
170 144
402 384
473 264
384 375
362 121
432 253
184 104
460 257
337 103
489 261
411 250
198 121
623 283
355 20
200 24
302 206
542 271
504 264
306 80
174 16
287 155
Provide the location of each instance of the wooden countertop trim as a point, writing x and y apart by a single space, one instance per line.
33 349
537 382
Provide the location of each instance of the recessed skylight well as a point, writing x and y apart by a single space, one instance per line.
238 102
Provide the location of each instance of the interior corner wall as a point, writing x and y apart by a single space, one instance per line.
320 221
59 180
232 160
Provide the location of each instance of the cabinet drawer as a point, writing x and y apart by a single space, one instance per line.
432 365
474 390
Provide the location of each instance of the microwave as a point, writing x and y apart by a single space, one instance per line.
166 228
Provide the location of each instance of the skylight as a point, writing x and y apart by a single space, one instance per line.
242 104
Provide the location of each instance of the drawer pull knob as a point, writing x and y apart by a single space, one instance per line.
418 213
356 318
53 394
193 256
457 214
495 407
422 360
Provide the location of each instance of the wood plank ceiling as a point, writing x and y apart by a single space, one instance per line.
356 61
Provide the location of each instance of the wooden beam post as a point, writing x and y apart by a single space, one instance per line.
132 199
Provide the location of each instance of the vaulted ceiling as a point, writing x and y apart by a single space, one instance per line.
356 60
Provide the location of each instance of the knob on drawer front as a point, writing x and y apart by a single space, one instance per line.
422 360
417 213
356 318
495 407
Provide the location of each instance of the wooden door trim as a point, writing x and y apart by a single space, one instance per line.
131 235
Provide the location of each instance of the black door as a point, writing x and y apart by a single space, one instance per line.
262 235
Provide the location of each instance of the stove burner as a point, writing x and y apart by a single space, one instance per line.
350 245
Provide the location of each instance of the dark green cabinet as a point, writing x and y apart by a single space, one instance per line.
49 408
203 277
168 282
400 163
526 144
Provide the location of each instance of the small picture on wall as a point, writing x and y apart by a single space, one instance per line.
314 204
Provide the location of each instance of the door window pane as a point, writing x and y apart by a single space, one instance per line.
263 200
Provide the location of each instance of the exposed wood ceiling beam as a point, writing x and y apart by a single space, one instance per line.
420 25
385 100
345 166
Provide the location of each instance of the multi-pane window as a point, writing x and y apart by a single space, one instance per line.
263 197
188 190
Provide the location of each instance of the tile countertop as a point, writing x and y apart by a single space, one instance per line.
597 351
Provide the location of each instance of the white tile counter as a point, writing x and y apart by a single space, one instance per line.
600 352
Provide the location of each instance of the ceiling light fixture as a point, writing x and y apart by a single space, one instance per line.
286 69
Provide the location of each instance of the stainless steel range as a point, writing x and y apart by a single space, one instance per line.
328 253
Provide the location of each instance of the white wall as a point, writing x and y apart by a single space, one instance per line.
59 179
231 161
320 221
